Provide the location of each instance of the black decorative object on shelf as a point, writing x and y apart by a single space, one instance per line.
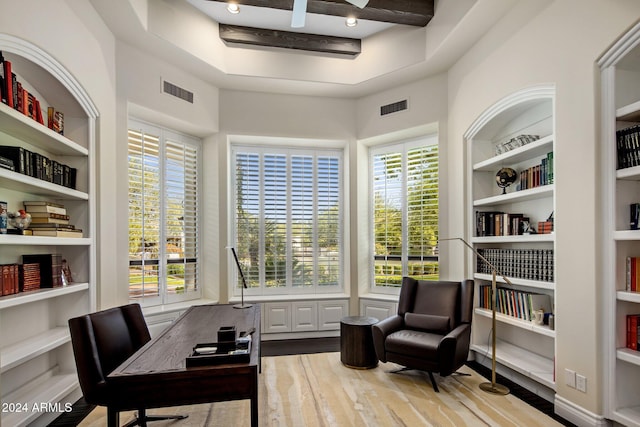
505 177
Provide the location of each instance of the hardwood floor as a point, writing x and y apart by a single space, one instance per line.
325 345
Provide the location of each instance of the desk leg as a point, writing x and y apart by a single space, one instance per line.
254 401
113 418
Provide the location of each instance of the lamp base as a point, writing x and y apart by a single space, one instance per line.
494 388
242 305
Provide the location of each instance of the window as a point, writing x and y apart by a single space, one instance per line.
404 184
287 219
163 215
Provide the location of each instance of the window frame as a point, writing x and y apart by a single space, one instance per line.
284 146
165 137
403 147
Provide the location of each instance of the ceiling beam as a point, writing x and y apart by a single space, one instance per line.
406 12
233 34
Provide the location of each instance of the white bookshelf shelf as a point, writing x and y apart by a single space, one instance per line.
628 355
517 281
25 128
40 294
526 238
27 184
12 239
52 389
628 296
525 362
628 416
541 192
629 174
533 149
629 112
626 235
28 349
519 323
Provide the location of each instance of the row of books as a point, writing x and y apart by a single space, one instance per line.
36 271
496 223
528 264
633 332
515 303
35 165
628 147
49 219
537 175
16 96
9 279
632 276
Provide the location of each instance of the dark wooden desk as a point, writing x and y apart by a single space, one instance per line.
158 373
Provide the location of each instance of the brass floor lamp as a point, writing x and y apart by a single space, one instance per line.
490 387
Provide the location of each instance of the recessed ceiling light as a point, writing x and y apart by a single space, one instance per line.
233 8
351 22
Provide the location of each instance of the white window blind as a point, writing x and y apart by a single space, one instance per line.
404 212
163 215
287 219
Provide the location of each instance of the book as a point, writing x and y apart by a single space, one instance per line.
29 276
18 155
38 220
58 122
40 206
51 226
50 268
57 233
48 215
8 82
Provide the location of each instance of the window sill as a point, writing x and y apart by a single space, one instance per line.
277 298
173 307
379 297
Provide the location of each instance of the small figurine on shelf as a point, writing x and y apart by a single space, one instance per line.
66 273
3 217
19 220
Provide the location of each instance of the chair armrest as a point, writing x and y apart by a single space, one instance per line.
454 349
380 331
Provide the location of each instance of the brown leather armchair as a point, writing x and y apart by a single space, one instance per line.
101 342
432 330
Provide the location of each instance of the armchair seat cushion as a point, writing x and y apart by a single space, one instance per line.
408 341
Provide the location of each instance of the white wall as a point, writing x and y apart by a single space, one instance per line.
551 42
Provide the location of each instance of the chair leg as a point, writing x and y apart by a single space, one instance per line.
113 418
142 418
433 382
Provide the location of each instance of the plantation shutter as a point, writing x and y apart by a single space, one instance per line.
181 213
163 215
144 214
287 218
405 212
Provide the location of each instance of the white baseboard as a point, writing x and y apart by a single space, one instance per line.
578 415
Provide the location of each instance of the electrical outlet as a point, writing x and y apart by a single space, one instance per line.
581 383
570 378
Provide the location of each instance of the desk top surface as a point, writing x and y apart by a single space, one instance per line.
167 352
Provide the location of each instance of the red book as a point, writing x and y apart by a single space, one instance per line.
25 102
632 331
8 82
632 280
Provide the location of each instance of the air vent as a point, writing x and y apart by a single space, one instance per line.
177 91
393 108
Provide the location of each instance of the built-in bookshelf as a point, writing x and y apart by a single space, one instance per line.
36 359
620 68
516 133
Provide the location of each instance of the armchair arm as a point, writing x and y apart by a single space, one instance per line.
454 349
380 331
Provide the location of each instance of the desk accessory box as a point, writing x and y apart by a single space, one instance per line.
207 354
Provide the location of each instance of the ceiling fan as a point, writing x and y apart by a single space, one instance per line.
300 10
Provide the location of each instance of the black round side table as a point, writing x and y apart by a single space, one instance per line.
356 342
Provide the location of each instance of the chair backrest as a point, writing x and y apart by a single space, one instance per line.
435 305
103 340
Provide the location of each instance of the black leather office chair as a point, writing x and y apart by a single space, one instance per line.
101 342
431 331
